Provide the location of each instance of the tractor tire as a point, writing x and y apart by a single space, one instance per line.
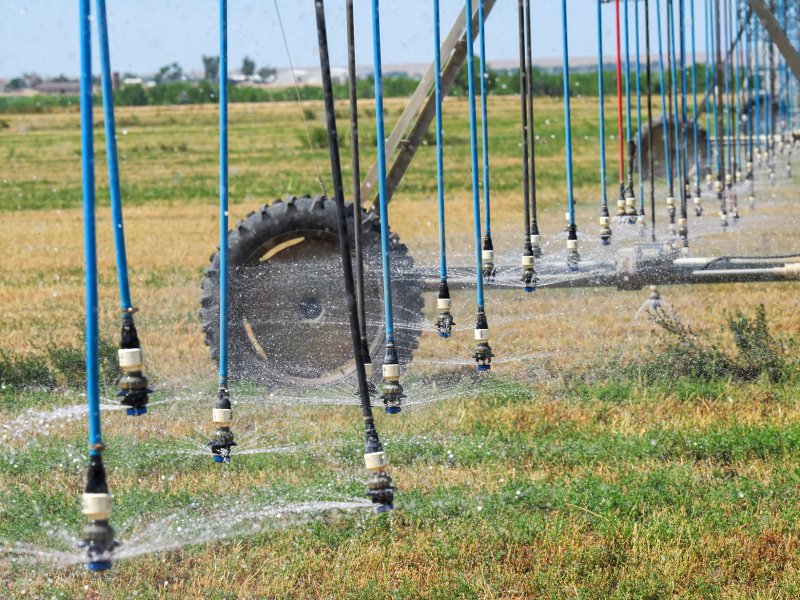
287 312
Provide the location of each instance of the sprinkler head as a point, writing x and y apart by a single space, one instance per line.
483 351
671 208
630 206
709 181
536 241
573 258
391 390
222 416
605 230
735 213
381 491
654 299
489 270
132 384
529 272
621 200
718 186
98 535
683 232
445 323
698 205
723 217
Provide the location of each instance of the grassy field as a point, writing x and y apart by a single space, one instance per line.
587 466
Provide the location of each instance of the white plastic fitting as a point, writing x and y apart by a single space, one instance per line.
222 416
792 271
488 256
697 200
368 369
130 359
630 202
738 175
728 179
566 217
682 222
572 245
481 335
527 261
391 372
443 303
605 221
97 507
670 201
375 461
535 240
718 186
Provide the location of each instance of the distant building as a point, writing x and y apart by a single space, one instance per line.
59 88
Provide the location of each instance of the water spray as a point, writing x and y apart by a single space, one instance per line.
443 302
529 278
98 535
222 415
535 235
605 218
573 258
483 351
356 160
380 488
391 390
489 268
133 388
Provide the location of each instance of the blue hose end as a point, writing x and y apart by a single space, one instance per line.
484 367
528 289
97 566
383 508
136 412
221 459
606 242
444 334
393 410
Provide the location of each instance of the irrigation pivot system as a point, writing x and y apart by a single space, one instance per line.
264 323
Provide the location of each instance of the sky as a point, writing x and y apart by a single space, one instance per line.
42 35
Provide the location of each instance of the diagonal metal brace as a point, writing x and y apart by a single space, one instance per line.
777 35
407 134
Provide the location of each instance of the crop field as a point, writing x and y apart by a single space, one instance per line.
603 456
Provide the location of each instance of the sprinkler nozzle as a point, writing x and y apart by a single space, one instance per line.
381 491
483 351
683 232
529 272
487 256
98 535
654 299
698 205
709 181
723 217
222 416
391 390
630 206
536 242
671 208
445 323
573 258
133 389
605 229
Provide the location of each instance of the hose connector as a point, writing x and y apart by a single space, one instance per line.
621 200
483 351
222 417
573 258
529 271
536 240
709 180
444 324
717 186
391 390
683 232
723 217
605 227
487 260
671 208
630 206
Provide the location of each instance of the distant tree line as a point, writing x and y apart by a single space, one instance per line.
170 87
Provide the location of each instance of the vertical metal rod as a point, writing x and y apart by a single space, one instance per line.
89 237
650 156
531 129
523 98
639 109
484 123
356 160
383 195
473 135
602 111
223 194
382 496
112 159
